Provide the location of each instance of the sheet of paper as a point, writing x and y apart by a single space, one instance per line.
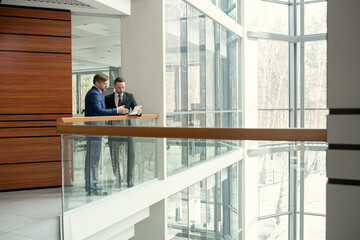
135 110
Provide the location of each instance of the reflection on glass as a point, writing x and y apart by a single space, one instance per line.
211 206
195 37
91 171
184 153
173 34
201 81
273 172
210 64
315 181
289 175
177 212
230 7
197 210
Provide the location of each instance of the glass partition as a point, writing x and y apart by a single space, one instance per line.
98 166
209 209
291 181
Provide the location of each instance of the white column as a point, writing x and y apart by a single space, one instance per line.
143 66
142 55
250 120
149 228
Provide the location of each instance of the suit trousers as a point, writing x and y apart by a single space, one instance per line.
114 145
93 151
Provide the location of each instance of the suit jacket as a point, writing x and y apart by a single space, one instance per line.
128 100
95 104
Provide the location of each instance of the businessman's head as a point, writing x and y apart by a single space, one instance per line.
100 81
119 85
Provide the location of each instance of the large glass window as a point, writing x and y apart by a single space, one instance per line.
273 80
272 17
292 93
315 17
229 7
202 81
315 84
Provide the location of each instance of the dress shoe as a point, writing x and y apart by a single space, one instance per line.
94 187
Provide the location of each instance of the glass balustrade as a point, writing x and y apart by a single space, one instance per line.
212 188
98 166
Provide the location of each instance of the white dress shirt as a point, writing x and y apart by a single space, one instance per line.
117 99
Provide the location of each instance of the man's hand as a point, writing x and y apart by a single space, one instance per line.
140 111
122 110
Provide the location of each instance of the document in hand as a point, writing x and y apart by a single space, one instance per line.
135 110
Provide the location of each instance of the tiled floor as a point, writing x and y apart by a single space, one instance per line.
30 214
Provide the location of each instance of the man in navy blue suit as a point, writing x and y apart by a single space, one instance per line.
95 106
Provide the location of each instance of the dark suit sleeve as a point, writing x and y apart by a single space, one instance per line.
108 99
133 102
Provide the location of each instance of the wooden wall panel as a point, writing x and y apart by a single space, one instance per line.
28 132
40 117
45 80
28 124
32 12
30 175
36 89
35 26
13 42
34 149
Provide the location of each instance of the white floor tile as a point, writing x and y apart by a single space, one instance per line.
32 207
30 214
46 229
8 236
9 222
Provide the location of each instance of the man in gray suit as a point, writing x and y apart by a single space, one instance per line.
127 100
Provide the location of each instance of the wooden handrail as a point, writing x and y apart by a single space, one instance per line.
262 134
107 118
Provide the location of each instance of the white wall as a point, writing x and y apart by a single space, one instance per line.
142 55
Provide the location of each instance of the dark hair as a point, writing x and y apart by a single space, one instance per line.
100 77
119 79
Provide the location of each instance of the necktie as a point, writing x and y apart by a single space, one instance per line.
119 101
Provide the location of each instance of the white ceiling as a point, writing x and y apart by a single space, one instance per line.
107 7
96 39
96 42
